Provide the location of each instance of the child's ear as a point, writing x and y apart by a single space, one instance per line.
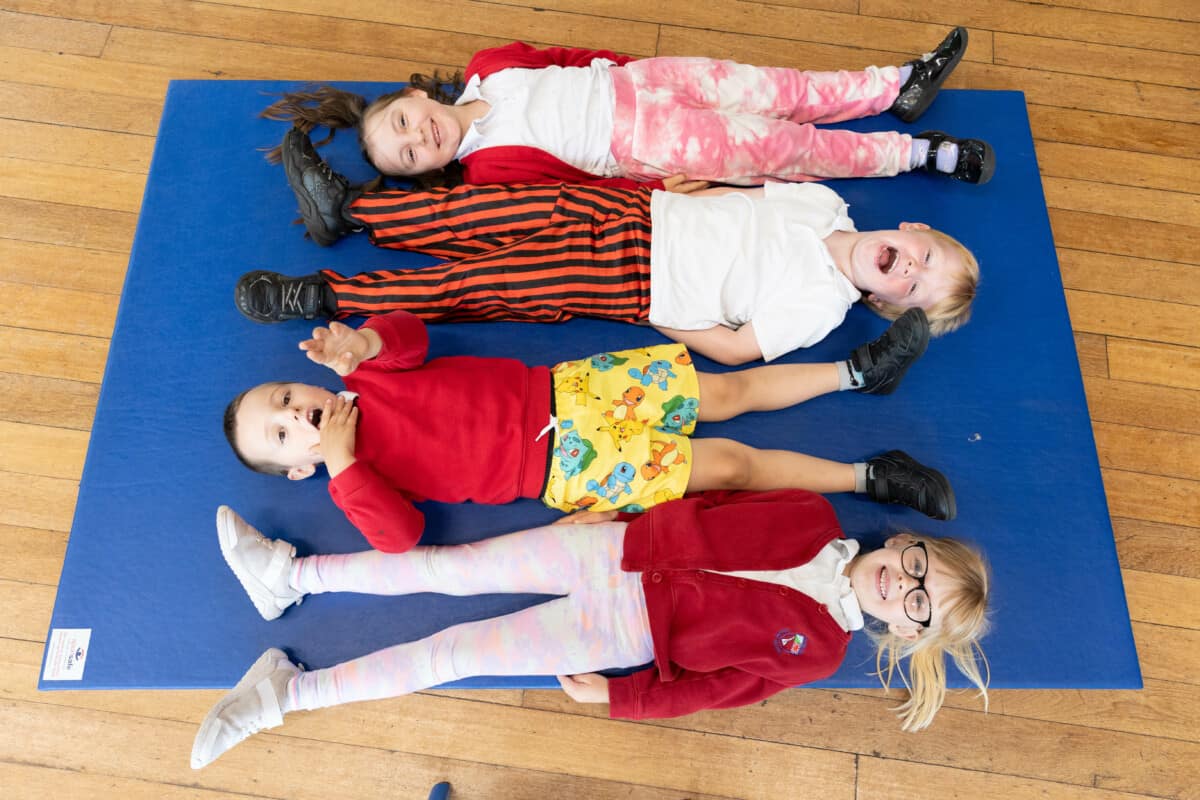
899 540
913 226
908 633
873 300
300 473
418 93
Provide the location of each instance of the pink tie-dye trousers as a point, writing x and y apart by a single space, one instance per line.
599 622
735 123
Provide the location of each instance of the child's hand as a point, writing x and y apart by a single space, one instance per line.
339 421
586 518
586 688
682 185
341 348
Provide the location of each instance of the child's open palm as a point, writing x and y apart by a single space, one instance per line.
339 347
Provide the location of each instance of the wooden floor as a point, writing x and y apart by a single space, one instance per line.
1113 94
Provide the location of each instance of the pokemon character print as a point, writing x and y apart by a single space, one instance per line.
623 421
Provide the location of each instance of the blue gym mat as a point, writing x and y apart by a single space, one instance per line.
998 406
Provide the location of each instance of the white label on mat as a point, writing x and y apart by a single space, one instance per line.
66 654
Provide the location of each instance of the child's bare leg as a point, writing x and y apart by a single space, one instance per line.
894 477
724 395
726 464
873 368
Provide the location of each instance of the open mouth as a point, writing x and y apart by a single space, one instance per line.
314 417
886 259
437 134
883 583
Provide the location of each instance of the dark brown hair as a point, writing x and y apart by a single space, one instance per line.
325 106
231 412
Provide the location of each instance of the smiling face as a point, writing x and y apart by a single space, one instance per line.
909 267
411 135
881 586
280 423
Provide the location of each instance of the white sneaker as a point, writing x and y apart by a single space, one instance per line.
256 703
261 565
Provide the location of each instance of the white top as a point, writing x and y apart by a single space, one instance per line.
822 580
566 111
733 259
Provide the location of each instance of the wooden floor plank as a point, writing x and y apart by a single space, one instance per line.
30 555
1149 362
900 780
55 144
32 501
1105 165
74 226
52 355
79 108
71 184
1163 600
1092 350
65 71
47 401
1145 405
1134 318
1040 19
1121 132
1147 278
506 21
63 267
1101 60
1094 197
42 450
1165 9
50 33
1117 235
1156 547
1151 497
1155 452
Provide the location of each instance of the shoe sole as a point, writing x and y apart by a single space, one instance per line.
989 164
921 345
936 87
210 728
262 597
295 178
242 302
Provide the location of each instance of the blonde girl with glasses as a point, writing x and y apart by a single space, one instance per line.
730 597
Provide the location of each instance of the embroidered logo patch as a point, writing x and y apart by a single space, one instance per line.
790 642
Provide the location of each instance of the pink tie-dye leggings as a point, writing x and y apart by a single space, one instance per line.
735 123
598 623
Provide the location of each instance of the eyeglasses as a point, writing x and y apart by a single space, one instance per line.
914 560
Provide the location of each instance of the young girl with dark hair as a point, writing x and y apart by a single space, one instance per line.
563 115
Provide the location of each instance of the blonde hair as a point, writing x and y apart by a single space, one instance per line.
952 311
962 621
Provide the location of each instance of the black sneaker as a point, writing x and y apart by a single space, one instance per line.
897 477
323 195
929 72
884 361
976 161
270 297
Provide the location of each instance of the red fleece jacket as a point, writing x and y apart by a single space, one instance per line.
722 641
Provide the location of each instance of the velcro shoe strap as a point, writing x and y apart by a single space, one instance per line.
281 556
272 716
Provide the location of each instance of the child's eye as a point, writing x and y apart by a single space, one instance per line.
928 255
912 290
287 398
403 122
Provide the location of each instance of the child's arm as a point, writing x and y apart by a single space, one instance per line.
386 517
643 695
342 348
721 344
395 341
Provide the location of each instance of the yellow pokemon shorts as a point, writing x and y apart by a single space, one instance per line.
623 424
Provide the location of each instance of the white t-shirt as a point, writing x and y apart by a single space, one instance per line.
733 259
822 580
566 111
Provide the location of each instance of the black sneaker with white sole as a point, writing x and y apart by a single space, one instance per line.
883 362
897 477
